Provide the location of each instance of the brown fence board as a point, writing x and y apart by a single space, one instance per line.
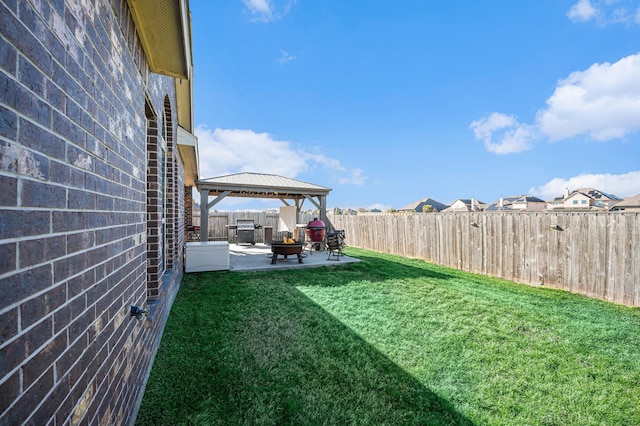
595 254
630 264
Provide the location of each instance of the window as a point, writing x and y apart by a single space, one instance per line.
155 201
162 183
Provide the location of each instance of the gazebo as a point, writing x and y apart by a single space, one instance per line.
259 185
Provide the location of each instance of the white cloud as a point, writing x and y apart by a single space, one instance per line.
602 102
581 11
378 206
228 151
268 10
624 185
285 57
356 177
512 135
258 6
605 12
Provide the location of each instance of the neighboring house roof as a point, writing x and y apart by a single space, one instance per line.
507 203
627 204
465 205
599 200
417 205
594 194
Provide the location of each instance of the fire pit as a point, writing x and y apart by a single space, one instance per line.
286 249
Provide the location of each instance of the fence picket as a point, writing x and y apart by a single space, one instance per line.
595 254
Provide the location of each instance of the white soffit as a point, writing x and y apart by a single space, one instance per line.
188 148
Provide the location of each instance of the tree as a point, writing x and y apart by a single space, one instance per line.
427 208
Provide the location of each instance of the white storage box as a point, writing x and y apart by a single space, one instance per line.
207 256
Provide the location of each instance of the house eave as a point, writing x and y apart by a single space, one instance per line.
188 148
165 34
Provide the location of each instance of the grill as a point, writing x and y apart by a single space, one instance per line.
315 234
245 231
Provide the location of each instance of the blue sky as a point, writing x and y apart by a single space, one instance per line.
390 102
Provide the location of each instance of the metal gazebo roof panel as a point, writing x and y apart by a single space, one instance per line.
260 185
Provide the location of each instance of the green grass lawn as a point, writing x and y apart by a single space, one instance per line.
390 341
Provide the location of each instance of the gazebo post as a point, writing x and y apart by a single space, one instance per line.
204 215
299 202
323 212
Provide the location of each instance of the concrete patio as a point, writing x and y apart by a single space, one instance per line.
247 258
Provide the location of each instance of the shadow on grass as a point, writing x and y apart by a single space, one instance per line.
252 349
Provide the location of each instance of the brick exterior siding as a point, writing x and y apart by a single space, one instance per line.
81 117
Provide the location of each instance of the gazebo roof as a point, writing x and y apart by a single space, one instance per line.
259 185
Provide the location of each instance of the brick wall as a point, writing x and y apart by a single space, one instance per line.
188 207
79 116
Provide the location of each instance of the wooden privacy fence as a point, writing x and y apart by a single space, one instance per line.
594 254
